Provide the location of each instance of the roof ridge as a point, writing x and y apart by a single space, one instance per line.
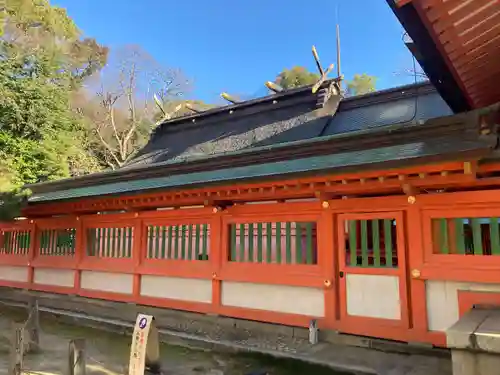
243 104
285 95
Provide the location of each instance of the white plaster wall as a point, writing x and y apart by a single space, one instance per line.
196 290
279 298
442 301
56 277
374 296
107 282
14 273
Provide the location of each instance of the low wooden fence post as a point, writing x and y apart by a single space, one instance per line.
77 362
33 326
16 349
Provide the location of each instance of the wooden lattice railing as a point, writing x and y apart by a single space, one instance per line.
274 242
15 241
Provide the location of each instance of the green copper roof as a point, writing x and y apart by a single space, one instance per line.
408 151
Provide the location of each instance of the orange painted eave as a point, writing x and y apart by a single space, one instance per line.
467 36
401 3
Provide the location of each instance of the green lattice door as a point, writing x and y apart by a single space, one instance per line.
372 279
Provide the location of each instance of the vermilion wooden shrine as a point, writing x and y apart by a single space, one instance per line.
377 215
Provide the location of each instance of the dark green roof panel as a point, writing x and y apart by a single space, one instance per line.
410 151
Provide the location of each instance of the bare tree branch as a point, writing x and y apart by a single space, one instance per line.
123 117
109 148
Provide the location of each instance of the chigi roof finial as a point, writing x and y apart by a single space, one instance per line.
324 73
339 74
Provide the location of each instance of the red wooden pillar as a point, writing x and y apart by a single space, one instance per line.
417 294
2 237
80 242
326 261
217 252
32 252
138 253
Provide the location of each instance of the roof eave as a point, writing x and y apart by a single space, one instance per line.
429 57
467 155
291 150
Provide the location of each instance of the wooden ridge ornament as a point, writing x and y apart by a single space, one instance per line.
323 73
145 348
192 108
322 79
229 98
316 59
274 87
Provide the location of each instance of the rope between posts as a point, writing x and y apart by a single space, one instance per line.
78 361
24 326
29 318
95 360
28 371
21 338
103 366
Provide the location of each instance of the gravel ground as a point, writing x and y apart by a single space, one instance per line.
108 353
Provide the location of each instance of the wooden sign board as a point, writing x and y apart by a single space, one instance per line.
145 349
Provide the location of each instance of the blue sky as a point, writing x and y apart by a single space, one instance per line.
236 46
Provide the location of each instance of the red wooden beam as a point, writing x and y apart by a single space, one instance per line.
419 7
270 190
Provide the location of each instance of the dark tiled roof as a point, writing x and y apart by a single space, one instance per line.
277 124
229 134
285 134
444 147
405 110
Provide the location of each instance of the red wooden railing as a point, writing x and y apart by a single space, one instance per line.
185 243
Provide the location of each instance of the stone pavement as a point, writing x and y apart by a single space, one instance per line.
343 358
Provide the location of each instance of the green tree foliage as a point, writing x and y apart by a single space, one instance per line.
35 30
11 198
42 59
296 77
299 76
361 84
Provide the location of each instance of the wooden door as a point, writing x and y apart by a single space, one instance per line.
372 273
